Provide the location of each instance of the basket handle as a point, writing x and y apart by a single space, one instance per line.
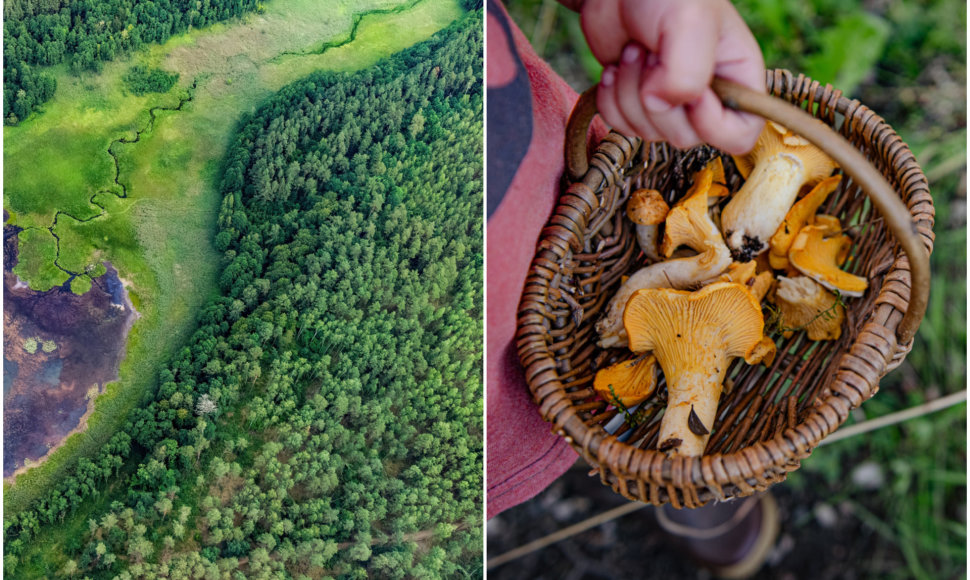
853 163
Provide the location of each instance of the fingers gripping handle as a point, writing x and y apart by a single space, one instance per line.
853 164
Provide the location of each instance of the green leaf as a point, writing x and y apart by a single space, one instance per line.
584 54
849 50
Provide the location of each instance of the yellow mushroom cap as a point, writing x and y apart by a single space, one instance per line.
745 273
818 257
737 272
722 315
775 138
831 226
800 215
761 284
830 223
694 336
803 303
763 352
632 381
647 207
717 167
688 222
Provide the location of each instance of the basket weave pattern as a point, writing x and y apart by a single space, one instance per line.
769 419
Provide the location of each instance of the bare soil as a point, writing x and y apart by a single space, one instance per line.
817 540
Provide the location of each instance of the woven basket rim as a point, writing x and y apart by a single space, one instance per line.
692 481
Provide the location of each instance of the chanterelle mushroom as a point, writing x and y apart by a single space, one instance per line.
647 209
688 222
803 303
817 253
800 215
761 284
780 163
694 336
630 381
692 225
830 223
737 272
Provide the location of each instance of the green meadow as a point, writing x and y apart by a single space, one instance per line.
153 215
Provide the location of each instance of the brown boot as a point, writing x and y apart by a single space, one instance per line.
731 539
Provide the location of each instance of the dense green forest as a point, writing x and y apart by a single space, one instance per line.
142 80
85 34
325 420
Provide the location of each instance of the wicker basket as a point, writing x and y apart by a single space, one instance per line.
771 418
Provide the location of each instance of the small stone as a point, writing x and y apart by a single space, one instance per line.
825 515
868 475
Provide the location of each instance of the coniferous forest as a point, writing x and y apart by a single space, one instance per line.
325 420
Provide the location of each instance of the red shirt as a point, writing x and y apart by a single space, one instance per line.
528 106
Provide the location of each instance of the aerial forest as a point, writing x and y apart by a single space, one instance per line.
325 418
85 34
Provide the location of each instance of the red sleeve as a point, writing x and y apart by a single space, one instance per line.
522 454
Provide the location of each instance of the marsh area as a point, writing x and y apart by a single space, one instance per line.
60 350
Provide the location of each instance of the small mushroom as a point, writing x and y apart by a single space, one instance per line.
778 166
688 222
761 284
630 381
800 215
831 226
817 253
717 166
647 209
803 303
830 223
763 352
718 191
695 336
744 273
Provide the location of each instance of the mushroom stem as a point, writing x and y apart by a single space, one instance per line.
692 390
694 336
647 237
782 175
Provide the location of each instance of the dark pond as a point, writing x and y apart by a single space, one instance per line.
59 349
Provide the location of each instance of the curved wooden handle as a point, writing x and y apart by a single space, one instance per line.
853 164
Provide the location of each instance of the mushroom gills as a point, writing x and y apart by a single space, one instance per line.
695 336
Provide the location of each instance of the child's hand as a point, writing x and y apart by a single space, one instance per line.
660 57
